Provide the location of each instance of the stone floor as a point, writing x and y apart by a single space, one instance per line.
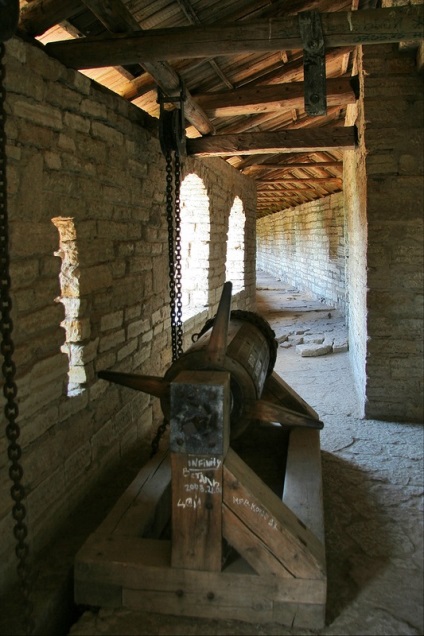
373 495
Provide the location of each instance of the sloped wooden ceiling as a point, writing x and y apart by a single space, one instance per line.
241 63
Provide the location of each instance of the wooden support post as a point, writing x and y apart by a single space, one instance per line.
199 439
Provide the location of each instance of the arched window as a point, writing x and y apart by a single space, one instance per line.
235 246
195 236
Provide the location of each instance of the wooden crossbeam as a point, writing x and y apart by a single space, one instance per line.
117 19
301 140
249 170
40 15
374 26
261 99
268 524
318 180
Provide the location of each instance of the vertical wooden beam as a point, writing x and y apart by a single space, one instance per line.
199 439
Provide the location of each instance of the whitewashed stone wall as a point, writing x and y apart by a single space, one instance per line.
306 247
80 152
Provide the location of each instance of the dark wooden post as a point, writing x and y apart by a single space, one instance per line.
199 439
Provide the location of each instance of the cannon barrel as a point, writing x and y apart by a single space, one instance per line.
241 343
248 355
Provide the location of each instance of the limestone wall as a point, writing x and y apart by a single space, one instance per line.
306 247
88 245
393 135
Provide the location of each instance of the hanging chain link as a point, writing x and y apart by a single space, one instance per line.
173 218
10 390
178 270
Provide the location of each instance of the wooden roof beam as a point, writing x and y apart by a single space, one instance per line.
115 16
261 99
318 180
40 15
344 28
251 170
299 140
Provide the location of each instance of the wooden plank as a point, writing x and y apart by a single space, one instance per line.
332 180
199 439
211 604
303 483
296 547
249 170
40 15
374 26
313 62
250 546
306 616
286 141
144 564
196 514
261 99
276 390
135 513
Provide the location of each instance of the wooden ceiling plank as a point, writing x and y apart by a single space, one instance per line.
249 170
192 17
114 15
269 98
40 15
319 180
302 140
374 26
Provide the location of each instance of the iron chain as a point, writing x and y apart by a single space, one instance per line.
10 390
173 218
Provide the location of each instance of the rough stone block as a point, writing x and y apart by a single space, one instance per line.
313 350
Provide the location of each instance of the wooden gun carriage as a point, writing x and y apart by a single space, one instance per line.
228 522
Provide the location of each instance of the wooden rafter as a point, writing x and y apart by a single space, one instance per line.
259 99
40 15
250 170
375 26
317 180
302 140
117 19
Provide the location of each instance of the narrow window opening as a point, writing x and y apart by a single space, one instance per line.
235 246
70 299
195 239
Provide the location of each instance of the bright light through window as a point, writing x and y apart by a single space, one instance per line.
195 236
235 246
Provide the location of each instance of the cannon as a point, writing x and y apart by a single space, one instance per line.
203 530
243 344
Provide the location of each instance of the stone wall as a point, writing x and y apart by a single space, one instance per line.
393 99
306 247
355 202
90 289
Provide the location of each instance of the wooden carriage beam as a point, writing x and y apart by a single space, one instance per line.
261 99
373 26
299 140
